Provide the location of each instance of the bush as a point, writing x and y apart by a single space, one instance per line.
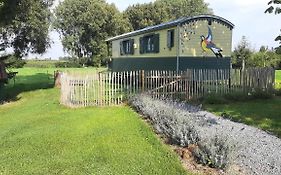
182 128
15 62
67 64
261 94
277 92
214 99
236 97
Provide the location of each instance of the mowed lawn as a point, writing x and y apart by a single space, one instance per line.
39 136
262 113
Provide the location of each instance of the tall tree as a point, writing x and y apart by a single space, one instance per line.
143 15
24 25
242 54
264 58
275 7
85 24
181 8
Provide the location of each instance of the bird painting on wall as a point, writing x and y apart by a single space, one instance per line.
207 44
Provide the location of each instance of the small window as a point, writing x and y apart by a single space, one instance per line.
209 22
170 38
149 44
127 47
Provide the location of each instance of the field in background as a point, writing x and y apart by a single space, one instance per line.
39 136
41 63
278 79
30 79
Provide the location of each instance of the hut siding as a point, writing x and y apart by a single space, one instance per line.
222 37
190 51
164 51
168 63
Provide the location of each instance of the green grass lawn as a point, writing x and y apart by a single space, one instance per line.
278 79
264 114
39 136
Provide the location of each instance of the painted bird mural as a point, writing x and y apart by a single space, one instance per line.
207 44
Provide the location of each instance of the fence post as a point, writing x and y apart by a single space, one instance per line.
229 80
142 81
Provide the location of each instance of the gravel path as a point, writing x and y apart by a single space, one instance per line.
252 150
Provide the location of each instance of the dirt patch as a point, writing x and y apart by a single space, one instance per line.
189 162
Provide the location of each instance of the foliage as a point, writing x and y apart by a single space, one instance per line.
39 136
182 127
265 58
236 97
274 7
213 152
220 142
13 61
241 54
143 15
24 25
67 64
83 62
84 25
278 50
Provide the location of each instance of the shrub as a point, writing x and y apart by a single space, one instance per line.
214 99
277 92
15 62
213 152
67 64
221 143
182 128
261 94
236 97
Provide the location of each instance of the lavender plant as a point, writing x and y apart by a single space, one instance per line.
220 143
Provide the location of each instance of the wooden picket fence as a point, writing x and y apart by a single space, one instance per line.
113 88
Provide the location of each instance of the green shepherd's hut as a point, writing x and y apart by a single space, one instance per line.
202 41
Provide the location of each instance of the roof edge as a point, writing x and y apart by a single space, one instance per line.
170 24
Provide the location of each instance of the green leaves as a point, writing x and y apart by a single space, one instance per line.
143 15
242 53
274 8
263 58
25 25
84 25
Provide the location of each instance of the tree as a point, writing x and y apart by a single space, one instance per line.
278 50
143 15
181 8
264 58
274 7
24 25
85 24
242 54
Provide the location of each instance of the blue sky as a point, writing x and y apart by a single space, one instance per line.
247 15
